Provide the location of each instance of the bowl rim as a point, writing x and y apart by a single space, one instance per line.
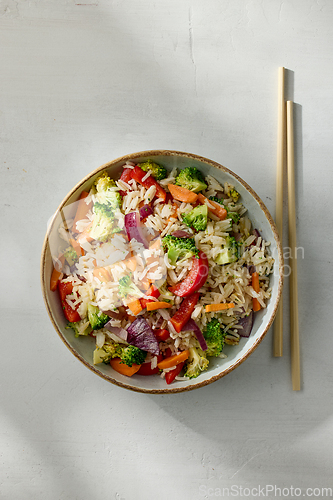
131 157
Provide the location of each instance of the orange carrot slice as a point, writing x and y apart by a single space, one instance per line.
173 360
181 194
152 306
213 207
120 367
56 275
82 209
256 287
135 306
218 307
102 274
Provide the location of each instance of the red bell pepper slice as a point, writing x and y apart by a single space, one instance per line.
71 314
126 175
172 374
146 369
162 334
152 292
195 279
184 312
138 174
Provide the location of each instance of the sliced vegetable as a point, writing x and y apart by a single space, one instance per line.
213 207
195 279
173 360
247 324
138 174
256 288
145 211
79 251
82 209
85 235
120 332
181 234
182 194
126 175
152 306
120 367
146 368
135 306
184 312
162 334
71 314
141 335
152 292
191 325
172 374
134 229
219 307
56 274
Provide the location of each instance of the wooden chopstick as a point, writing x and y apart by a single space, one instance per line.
294 327
278 323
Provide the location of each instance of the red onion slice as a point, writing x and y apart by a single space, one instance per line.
133 228
247 324
191 325
141 335
145 211
120 332
181 234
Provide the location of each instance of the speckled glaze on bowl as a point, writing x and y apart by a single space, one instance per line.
83 348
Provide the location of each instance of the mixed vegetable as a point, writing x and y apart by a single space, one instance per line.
143 343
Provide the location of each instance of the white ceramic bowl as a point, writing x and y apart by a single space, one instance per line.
83 348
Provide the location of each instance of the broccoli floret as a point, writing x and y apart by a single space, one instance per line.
71 256
214 335
230 252
127 288
102 226
191 178
107 352
179 248
196 363
234 216
197 218
80 327
97 318
103 183
157 171
234 195
132 355
105 192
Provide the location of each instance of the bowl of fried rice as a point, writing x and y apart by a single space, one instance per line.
162 271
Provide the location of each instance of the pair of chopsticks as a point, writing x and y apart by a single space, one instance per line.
286 135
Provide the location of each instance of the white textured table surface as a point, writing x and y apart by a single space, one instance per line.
81 83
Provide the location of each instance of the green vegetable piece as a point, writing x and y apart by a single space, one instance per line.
197 218
97 318
105 192
157 171
234 195
80 327
103 222
107 352
132 355
230 252
196 363
191 178
234 216
214 335
179 248
71 256
127 288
